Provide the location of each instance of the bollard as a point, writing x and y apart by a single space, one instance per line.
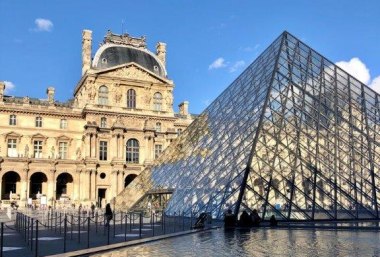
55 227
153 224
1 239
60 222
163 221
125 228
88 232
141 220
25 226
108 234
27 232
183 221
79 228
31 235
114 222
71 226
96 222
36 248
64 236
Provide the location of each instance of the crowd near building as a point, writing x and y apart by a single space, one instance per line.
89 148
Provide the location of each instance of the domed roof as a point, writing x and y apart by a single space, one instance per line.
110 55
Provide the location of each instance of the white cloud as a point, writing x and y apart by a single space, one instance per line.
43 25
206 102
356 68
237 65
375 84
218 63
9 86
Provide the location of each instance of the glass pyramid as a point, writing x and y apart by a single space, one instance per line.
294 136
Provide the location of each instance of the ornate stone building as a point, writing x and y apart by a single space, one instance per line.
89 148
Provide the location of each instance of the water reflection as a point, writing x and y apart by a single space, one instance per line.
262 242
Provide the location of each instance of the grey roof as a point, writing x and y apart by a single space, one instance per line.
116 55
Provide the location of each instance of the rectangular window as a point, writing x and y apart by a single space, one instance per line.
62 150
12 144
38 122
157 151
37 145
103 151
63 124
12 120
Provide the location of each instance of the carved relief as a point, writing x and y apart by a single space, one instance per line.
92 93
133 73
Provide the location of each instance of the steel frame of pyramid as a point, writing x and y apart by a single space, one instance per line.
293 136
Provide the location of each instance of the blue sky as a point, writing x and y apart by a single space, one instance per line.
209 43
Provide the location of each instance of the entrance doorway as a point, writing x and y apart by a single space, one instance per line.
38 184
10 184
64 185
101 197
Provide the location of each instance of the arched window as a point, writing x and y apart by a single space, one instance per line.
103 95
133 151
131 98
157 101
179 131
103 122
158 127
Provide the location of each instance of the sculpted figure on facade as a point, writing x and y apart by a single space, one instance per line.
25 100
52 152
92 93
79 153
26 151
117 94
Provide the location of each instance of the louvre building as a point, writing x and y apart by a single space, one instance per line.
87 149
293 136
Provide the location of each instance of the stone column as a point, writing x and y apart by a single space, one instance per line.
121 182
114 184
77 186
93 185
87 145
92 143
52 186
24 194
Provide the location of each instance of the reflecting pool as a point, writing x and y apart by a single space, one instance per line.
262 242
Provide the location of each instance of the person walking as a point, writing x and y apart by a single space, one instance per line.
92 210
108 215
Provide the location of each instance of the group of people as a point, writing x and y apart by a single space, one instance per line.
246 220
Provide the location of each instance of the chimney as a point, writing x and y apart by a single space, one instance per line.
86 50
184 108
50 94
161 52
2 89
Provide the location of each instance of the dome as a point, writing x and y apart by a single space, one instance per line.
110 55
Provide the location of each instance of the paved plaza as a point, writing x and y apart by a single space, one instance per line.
91 233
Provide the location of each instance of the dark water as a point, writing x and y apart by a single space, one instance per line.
263 242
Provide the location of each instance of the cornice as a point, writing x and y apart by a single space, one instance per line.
46 111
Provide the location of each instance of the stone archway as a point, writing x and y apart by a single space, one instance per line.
128 179
10 183
64 185
38 184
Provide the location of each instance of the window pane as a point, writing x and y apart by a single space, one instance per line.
103 150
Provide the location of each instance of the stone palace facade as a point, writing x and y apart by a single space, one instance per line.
89 148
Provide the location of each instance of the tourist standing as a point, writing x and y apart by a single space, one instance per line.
108 214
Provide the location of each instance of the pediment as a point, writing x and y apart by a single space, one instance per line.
38 136
133 71
12 134
63 138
